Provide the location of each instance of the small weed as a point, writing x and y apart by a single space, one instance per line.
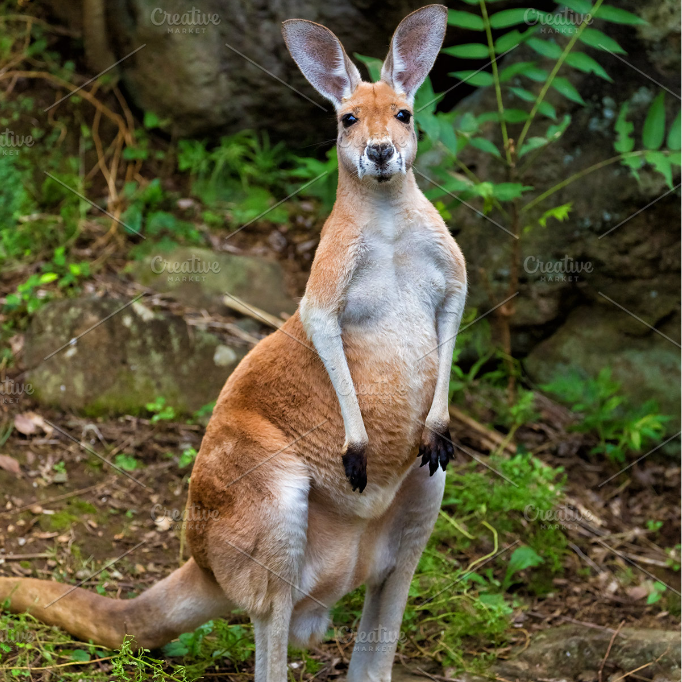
620 427
161 411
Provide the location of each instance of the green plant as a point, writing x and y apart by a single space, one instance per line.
656 593
126 462
188 456
619 427
453 603
161 411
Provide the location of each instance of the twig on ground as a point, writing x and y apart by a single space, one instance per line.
490 438
24 557
608 651
249 310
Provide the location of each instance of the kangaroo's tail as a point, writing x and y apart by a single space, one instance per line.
180 603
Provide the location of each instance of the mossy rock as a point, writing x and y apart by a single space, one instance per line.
200 278
124 363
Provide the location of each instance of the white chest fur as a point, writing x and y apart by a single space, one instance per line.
398 282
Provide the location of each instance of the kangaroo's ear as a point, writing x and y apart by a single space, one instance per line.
322 59
414 48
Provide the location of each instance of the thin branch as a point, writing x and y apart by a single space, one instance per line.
582 174
496 80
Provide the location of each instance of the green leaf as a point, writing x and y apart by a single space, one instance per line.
173 649
585 63
565 87
468 51
488 117
661 162
545 48
525 95
511 17
634 163
512 39
48 277
484 145
624 142
151 120
467 123
477 78
559 213
372 64
506 191
515 115
674 134
537 74
425 99
465 20
531 144
447 135
656 593
514 70
554 132
600 41
579 6
126 462
80 655
654 124
618 16
523 557
546 109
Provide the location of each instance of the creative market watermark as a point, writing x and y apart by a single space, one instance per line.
11 391
379 639
565 269
554 519
192 269
566 22
10 637
192 516
11 143
192 22
386 390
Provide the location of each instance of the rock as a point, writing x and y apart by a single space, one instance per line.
187 74
573 653
118 367
568 651
199 278
596 337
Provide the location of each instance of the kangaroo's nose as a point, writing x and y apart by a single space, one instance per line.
380 153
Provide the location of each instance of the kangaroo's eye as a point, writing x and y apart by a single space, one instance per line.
348 120
404 116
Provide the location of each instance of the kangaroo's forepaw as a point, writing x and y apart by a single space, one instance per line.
436 448
355 464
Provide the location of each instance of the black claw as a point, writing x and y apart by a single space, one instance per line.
355 464
436 449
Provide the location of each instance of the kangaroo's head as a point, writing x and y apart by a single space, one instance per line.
376 139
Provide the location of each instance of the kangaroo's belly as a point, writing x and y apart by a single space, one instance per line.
390 336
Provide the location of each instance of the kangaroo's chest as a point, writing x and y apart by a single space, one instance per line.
398 282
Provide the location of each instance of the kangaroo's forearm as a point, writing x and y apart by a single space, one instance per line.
324 331
448 321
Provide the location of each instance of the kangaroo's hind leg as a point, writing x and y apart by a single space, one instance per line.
409 522
256 540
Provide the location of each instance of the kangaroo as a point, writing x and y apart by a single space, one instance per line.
310 479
